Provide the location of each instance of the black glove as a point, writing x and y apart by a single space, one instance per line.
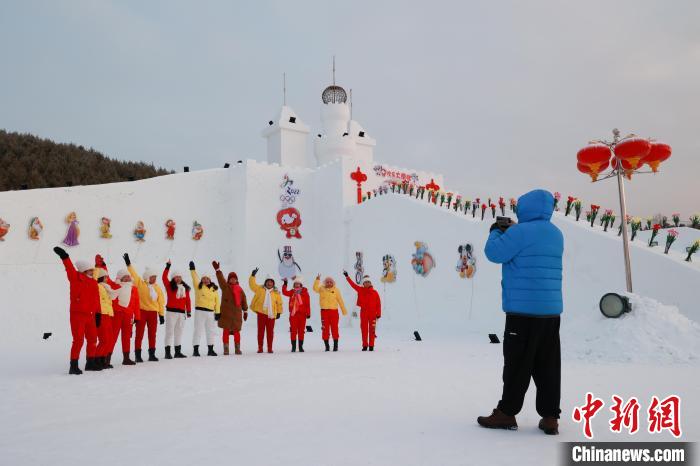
255 270
345 273
245 315
61 252
217 317
127 261
215 265
167 265
189 315
278 316
98 319
494 227
191 265
136 321
284 280
161 319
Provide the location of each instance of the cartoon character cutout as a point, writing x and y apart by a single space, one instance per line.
466 265
105 227
73 232
388 269
359 267
4 229
289 220
35 229
140 232
288 266
422 261
197 231
170 229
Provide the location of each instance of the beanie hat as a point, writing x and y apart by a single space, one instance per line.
176 273
83 266
121 274
232 275
101 272
366 279
149 272
267 277
298 279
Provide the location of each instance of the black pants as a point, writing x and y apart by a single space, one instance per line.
531 349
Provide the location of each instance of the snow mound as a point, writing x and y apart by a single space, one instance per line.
652 333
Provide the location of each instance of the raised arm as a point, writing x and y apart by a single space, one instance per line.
317 285
342 303
286 291
166 282
252 284
501 247
71 273
138 281
351 282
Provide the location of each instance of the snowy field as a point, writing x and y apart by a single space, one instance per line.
408 403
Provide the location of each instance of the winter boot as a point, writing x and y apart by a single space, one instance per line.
237 346
74 369
335 345
167 353
138 355
195 353
99 364
364 348
294 346
127 361
498 420
226 352
371 348
328 347
301 346
152 354
91 365
549 425
108 362
210 351
178 352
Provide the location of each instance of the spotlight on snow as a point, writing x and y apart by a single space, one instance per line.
493 338
309 329
417 335
613 305
226 165
47 335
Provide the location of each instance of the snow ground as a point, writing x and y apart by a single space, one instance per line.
409 403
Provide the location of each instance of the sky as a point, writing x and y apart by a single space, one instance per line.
497 95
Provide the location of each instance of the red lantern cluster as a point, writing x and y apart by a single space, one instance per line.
630 153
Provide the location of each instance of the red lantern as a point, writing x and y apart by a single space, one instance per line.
659 152
596 157
632 150
584 168
626 166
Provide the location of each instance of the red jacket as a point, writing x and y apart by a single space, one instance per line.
180 304
305 300
84 291
368 299
134 307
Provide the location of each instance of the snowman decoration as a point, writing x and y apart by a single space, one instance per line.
288 267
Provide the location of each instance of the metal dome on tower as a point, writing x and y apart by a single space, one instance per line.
334 94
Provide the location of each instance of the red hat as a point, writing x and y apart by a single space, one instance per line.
232 274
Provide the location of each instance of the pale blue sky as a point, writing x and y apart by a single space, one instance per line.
497 95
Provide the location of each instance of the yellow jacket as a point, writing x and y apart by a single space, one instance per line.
147 303
205 297
259 298
106 300
330 298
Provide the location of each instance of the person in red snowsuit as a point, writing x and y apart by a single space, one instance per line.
105 332
370 309
127 310
299 310
84 311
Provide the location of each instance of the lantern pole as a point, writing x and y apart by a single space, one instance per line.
623 213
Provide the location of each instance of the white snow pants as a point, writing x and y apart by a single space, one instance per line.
174 325
204 320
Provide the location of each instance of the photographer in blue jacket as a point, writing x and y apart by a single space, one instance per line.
530 253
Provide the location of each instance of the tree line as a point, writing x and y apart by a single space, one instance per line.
30 162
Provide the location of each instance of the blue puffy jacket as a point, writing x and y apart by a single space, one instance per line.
531 254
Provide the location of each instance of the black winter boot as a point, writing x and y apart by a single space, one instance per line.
167 353
74 369
127 361
210 351
364 348
294 346
301 346
90 365
371 348
178 352
335 345
99 364
328 346
152 354
195 352
108 362
138 355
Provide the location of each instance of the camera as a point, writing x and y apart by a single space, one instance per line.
503 223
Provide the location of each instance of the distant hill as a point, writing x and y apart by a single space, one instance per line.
27 161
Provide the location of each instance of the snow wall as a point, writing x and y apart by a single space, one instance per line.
237 208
